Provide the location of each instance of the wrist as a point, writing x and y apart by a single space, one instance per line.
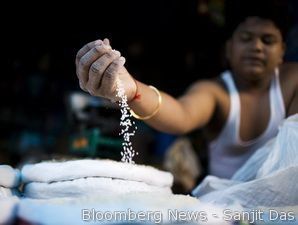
155 111
136 95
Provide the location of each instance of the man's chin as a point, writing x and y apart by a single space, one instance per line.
254 75
254 71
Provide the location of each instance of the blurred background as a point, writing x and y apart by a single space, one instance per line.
167 43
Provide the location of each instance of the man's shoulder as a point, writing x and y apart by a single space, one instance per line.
214 84
289 82
211 86
289 76
289 70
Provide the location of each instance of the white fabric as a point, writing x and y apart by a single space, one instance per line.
69 210
6 192
89 186
9 181
279 153
9 177
8 209
212 183
275 190
285 150
53 171
228 152
269 178
250 169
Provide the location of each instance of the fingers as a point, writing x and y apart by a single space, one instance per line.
86 48
109 80
89 46
86 62
98 68
106 41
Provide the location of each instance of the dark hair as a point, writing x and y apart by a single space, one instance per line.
236 11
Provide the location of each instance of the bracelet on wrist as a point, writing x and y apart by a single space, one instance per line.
154 112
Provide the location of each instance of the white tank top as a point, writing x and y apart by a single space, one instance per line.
228 152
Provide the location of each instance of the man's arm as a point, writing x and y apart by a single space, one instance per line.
177 116
293 107
99 68
289 73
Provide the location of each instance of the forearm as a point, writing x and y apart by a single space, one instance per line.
171 116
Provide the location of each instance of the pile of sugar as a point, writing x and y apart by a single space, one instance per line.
128 126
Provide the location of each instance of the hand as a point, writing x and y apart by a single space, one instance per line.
98 68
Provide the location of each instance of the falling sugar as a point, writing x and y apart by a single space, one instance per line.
128 126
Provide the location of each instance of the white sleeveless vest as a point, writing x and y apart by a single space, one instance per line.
228 152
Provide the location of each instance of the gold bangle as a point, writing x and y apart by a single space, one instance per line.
154 112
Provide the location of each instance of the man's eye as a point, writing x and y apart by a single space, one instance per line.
268 40
245 37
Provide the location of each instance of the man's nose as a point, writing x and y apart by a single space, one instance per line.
257 44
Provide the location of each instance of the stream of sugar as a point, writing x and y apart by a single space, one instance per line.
128 127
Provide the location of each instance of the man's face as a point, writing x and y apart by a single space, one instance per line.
255 49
